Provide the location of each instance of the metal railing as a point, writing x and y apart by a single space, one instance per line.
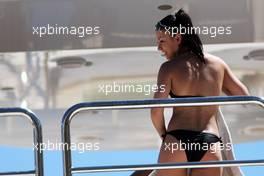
68 170
37 135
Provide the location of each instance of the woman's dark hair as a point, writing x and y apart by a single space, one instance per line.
190 40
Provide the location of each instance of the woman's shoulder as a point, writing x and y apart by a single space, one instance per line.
168 65
214 60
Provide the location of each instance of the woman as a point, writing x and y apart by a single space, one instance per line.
189 73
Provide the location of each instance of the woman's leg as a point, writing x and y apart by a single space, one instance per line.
214 154
170 153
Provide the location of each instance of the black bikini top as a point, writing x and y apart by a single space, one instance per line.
181 96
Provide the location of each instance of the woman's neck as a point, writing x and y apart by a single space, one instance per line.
182 53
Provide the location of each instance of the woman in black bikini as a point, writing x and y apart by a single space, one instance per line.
189 72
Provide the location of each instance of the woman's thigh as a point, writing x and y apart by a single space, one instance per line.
211 155
171 152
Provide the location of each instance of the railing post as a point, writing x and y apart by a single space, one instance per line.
66 141
37 137
37 134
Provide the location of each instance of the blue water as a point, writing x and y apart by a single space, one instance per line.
15 159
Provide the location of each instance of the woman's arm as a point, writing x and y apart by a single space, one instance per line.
231 84
164 86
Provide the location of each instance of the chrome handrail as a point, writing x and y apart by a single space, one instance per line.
201 164
139 104
37 135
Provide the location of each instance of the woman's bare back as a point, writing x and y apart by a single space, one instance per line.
189 77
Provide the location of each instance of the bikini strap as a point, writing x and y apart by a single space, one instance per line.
163 136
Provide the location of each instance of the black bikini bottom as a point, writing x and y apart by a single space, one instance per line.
196 143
